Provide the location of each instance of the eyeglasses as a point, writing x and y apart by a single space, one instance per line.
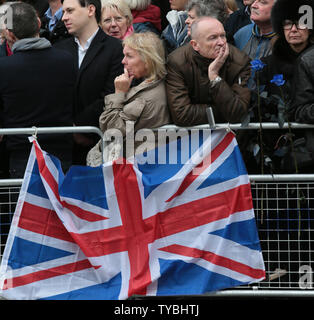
115 19
287 25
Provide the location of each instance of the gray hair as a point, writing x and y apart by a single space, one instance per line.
138 4
120 5
209 8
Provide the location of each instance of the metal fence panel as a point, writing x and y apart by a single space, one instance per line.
286 232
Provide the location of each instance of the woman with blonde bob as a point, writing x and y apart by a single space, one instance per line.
116 18
143 105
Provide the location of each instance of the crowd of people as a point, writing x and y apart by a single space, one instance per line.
105 62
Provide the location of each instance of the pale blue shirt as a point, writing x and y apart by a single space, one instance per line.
53 19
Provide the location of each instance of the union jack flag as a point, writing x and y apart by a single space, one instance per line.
118 230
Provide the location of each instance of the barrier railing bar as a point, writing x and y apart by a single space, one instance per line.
45 130
11 182
248 293
263 293
57 130
282 177
253 178
238 126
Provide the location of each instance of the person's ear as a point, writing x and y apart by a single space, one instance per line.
194 45
91 10
10 37
39 23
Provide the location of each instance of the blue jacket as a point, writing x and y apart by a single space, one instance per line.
249 40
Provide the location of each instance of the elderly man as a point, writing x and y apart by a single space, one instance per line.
207 72
255 39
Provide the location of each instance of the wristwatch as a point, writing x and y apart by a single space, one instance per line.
215 81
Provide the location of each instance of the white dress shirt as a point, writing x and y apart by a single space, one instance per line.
82 50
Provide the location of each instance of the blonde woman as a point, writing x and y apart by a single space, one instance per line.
116 18
143 105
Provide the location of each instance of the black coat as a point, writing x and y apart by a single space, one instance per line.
236 21
276 143
58 33
95 77
36 89
303 102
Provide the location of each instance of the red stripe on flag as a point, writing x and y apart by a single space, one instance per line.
83 214
188 180
216 259
43 221
199 212
51 181
46 274
134 228
174 220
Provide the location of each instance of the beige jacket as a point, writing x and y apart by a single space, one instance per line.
144 106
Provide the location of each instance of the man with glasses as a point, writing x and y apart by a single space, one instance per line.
255 39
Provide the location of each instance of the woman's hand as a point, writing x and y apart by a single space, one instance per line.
123 82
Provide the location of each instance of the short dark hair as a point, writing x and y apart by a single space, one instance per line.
95 3
25 20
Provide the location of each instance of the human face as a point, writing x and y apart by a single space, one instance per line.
261 11
296 35
211 38
133 62
76 17
190 19
114 23
178 5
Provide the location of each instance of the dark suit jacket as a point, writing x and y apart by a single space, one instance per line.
95 77
36 89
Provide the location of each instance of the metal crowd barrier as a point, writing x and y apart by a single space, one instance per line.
286 230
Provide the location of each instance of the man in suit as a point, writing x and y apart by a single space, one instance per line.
36 89
97 59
